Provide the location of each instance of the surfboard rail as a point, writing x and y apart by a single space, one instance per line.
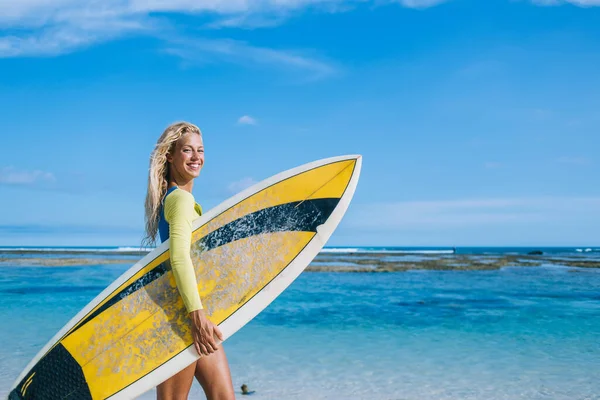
245 312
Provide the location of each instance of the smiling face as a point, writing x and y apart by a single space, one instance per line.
186 159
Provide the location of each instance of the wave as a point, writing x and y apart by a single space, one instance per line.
128 249
138 250
132 249
426 251
341 250
52 249
348 250
76 250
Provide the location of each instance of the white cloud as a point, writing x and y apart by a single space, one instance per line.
421 3
458 214
249 21
580 3
53 27
246 120
234 51
238 186
62 39
13 176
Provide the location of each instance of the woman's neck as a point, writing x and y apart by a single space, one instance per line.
187 186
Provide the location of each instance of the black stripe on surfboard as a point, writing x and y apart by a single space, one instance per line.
298 216
266 284
56 376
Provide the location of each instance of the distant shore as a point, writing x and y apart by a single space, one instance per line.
324 262
374 262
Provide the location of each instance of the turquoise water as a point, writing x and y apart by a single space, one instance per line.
515 333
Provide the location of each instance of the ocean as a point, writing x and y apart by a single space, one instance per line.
507 333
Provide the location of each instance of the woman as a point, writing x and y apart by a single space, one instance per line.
170 210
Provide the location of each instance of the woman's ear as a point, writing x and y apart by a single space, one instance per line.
169 157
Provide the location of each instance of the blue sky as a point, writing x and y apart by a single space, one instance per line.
478 120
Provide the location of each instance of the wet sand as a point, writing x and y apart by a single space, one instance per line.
373 262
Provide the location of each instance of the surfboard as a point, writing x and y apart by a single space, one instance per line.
136 333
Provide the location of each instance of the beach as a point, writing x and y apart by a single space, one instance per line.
367 323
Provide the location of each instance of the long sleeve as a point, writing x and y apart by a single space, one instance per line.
180 213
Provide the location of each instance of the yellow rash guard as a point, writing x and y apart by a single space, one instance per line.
178 212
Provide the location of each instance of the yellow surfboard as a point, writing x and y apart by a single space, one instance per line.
246 251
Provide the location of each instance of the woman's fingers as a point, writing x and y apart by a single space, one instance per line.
206 343
205 351
210 342
218 334
199 344
207 336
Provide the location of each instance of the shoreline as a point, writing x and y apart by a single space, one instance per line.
332 262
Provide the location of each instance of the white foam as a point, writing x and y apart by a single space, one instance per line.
382 250
52 249
74 249
341 250
587 250
426 251
121 249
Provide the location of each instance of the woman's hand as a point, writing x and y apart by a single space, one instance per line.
205 333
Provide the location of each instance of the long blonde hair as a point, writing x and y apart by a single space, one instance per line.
158 175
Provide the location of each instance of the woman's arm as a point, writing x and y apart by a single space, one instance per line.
179 213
